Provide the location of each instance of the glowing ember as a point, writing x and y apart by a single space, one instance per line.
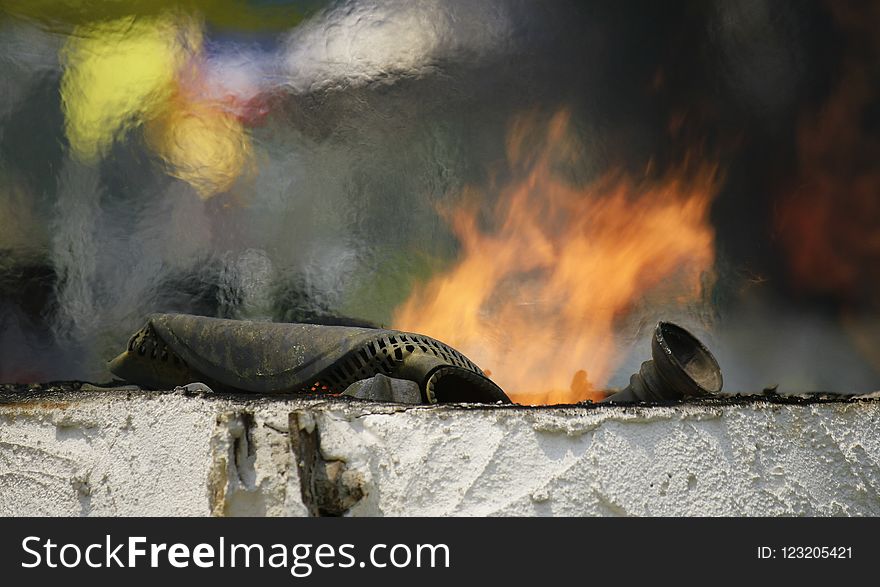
537 297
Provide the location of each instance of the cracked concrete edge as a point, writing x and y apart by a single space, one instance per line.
116 453
329 486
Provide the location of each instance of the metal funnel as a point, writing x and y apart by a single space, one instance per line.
681 367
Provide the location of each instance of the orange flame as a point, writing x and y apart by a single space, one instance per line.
538 298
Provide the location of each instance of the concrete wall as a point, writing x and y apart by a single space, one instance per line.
117 452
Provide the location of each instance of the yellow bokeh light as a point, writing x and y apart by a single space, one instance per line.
119 74
202 144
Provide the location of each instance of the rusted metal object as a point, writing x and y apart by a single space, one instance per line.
681 367
264 357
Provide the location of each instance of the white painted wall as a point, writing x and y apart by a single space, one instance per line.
118 453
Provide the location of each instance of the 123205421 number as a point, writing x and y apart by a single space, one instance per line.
805 552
